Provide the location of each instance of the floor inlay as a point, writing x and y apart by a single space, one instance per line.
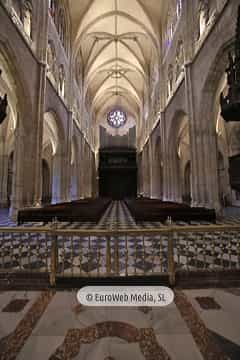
232 349
208 303
15 305
202 336
144 337
11 345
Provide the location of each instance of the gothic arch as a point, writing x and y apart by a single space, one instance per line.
21 89
208 112
16 125
208 92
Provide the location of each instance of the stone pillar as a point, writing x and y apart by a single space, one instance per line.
93 175
67 173
165 158
204 181
151 163
18 173
175 176
57 179
139 173
82 167
145 172
39 135
3 175
40 103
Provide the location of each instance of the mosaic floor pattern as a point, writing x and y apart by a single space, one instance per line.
54 326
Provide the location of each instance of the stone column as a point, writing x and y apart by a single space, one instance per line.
40 103
165 158
150 165
3 175
82 167
67 173
18 172
204 180
57 179
145 172
175 177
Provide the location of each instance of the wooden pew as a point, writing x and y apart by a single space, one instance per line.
79 210
157 210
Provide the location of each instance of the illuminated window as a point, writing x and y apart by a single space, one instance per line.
116 118
61 85
27 18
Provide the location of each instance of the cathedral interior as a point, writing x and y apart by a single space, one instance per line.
119 166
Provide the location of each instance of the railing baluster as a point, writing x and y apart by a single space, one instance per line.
80 256
187 251
98 256
108 255
195 246
213 244
38 248
229 247
171 267
153 254
160 254
238 252
221 250
20 248
126 255
204 252
46 252
3 251
72 255
29 250
116 256
89 256
54 255
144 256
135 255
12 251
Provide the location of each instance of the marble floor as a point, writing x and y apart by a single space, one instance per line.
199 324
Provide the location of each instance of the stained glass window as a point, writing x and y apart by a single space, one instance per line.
116 118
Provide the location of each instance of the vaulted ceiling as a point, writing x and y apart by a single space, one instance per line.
117 41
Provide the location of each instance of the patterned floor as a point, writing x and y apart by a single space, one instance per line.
200 324
137 254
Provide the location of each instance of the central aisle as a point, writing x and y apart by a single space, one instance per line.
117 216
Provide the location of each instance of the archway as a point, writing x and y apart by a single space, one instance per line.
7 134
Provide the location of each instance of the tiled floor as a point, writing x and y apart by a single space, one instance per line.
54 326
